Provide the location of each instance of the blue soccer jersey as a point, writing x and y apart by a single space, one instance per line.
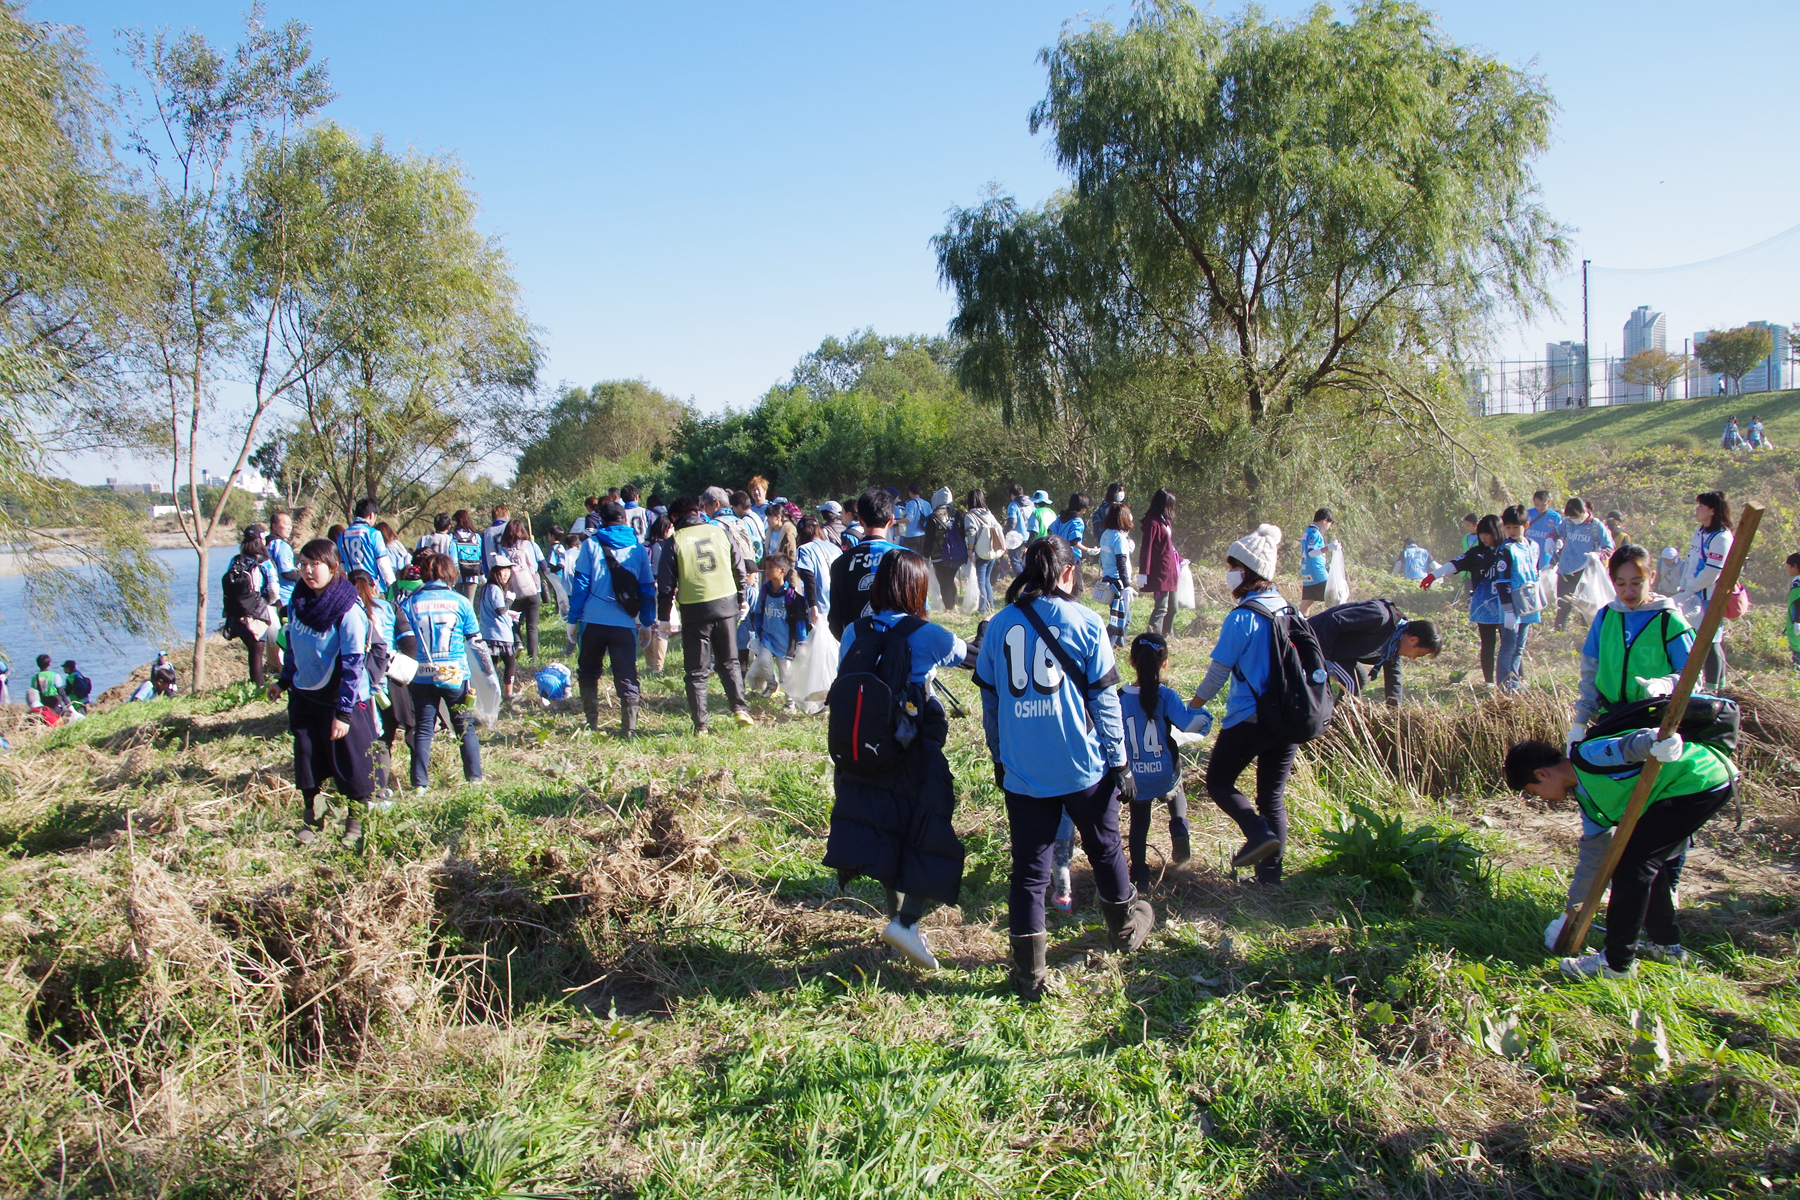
1155 761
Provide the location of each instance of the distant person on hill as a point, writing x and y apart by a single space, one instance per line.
1414 562
1483 564
330 711
1315 559
1756 435
1582 535
1732 439
1706 558
76 686
47 690
163 680
5 676
1159 568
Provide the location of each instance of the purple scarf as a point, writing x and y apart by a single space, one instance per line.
319 611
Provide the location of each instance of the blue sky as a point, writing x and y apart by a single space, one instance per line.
698 194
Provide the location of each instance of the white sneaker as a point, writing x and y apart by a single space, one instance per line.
910 941
1675 956
1594 966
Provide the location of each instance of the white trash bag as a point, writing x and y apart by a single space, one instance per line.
1184 586
934 595
1337 584
971 594
821 650
763 671
1594 590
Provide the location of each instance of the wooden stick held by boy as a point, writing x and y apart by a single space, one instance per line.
1575 929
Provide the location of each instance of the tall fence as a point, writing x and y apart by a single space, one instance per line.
1543 385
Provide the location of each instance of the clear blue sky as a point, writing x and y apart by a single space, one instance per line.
697 194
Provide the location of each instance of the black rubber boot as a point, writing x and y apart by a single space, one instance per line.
1129 922
628 713
590 702
1030 978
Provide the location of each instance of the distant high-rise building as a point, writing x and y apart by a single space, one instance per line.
1566 362
1766 376
1644 330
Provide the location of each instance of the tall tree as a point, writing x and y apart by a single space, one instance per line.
211 327
1734 353
622 421
430 357
1656 369
73 261
1265 212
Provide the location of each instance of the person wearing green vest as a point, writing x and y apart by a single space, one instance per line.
1636 646
1043 516
705 575
1696 780
1793 609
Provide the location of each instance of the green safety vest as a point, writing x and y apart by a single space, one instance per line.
1621 664
48 683
703 552
1041 521
1701 768
1793 621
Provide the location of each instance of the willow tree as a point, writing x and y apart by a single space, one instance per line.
1259 212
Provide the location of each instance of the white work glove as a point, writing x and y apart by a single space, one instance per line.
1657 689
643 637
1335 545
1509 620
1667 750
1143 581
1577 732
1553 930
1205 725
743 610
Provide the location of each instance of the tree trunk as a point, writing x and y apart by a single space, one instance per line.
199 661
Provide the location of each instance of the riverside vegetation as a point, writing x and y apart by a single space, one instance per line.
619 969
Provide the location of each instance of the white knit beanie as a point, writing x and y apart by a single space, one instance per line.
1258 550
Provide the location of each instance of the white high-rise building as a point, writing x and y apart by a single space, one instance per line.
1644 330
1765 376
1567 362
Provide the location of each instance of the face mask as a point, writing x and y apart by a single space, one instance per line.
1234 580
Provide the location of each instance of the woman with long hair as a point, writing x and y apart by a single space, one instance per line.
329 708
249 593
1050 713
444 632
465 543
895 827
1116 548
527 564
1706 558
1160 567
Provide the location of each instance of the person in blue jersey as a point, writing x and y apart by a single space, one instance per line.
1018 520
853 575
501 517
1116 549
362 548
609 626
1517 589
778 617
1151 711
393 705
896 829
1241 657
1071 527
1315 564
444 631
495 616
1582 534
1050 713
1707 552
1543 527
1414 562
911 516
812 567
284 560
1483 563
329 709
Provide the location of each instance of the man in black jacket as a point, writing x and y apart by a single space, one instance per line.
1371 634
704 572
853 574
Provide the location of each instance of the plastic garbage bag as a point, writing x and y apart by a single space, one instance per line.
1594 590
1184 586
971 595
486 690
821 665
1337 583
934 596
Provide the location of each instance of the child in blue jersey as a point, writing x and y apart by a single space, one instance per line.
495 615
1483 563
445 630
1520 600
1242 657
778 617
393 705
329 709
1315 564
1050 713
1151 711
1071 527
1543 528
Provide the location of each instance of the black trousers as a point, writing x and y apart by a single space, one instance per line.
1565 598
527 607
1236 749
704 642
946 577
320 758
1490 647
599 641
1139 836
1032 821
257 653
1642 889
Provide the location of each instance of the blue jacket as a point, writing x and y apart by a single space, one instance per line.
361 548
1037 720
591 599
312 658
1244 647
1071 531
931 646
1313 567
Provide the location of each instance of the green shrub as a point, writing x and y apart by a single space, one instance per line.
1407 863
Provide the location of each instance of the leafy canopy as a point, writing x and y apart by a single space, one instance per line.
1734 353
624 421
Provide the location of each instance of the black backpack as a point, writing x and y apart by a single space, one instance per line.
874 707
1295 704
624 584
937 531
1710 719
240 596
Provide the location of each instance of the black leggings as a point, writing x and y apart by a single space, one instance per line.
505 655
258 653
1236 749
1642 888
946 577
1490 645
527 607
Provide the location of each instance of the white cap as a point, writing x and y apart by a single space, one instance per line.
1258 550
1670 553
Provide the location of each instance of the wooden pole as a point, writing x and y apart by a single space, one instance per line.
1575 926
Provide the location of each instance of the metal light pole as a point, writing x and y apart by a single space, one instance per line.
1586 374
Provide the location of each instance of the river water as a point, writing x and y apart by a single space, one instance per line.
111 657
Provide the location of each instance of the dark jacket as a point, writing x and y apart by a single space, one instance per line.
1158 562
852 575
1362 633
897 829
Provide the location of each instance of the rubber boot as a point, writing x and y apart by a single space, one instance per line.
1030 978
1129 922
590 702
628 713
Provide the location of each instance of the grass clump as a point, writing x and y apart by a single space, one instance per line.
1402 860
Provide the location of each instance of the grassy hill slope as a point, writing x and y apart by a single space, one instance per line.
1630 426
